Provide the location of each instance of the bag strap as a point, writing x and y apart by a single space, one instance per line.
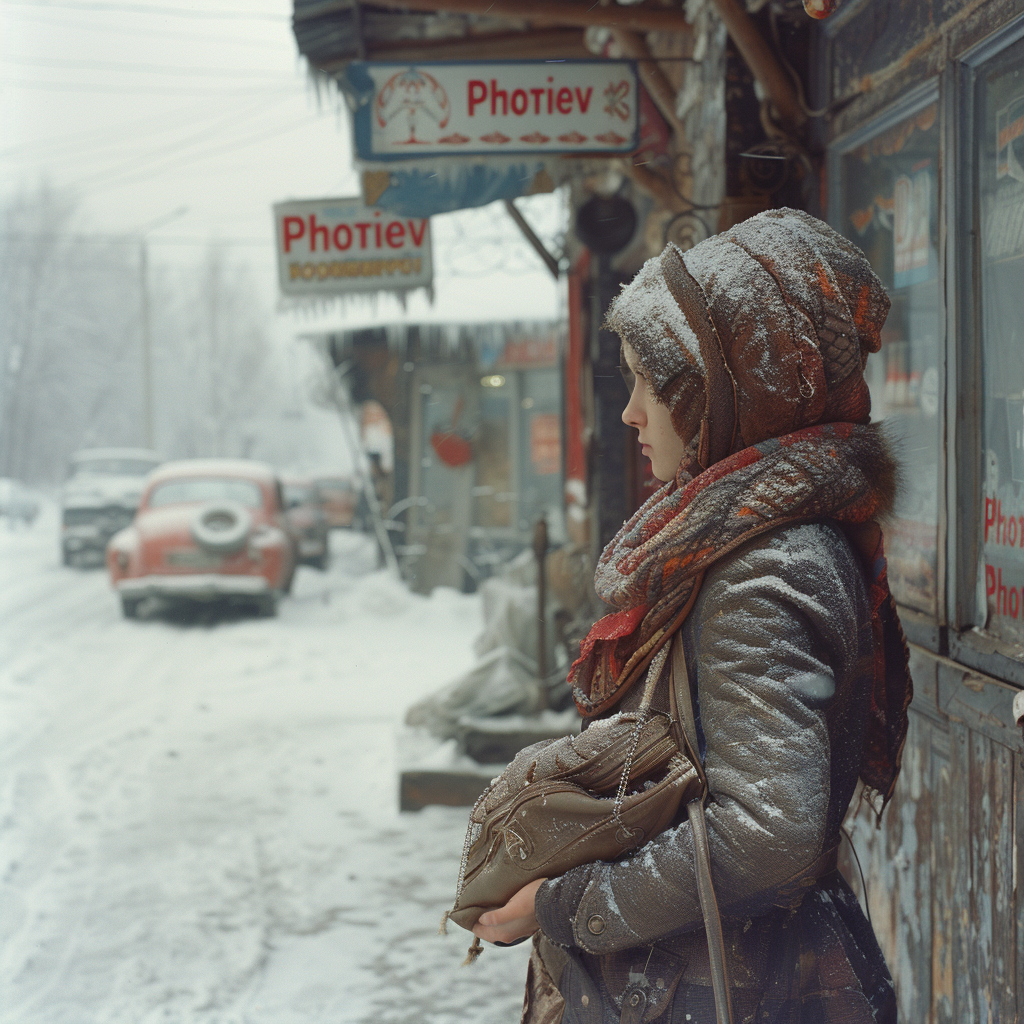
683 699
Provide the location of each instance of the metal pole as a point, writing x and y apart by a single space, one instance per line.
540 548
147 348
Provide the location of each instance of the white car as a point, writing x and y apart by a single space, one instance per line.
100 497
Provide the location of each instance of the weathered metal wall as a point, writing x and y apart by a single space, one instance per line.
941 871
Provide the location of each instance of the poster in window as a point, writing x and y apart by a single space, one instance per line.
1010 140
545 443
912 228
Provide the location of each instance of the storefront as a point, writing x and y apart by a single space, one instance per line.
925 171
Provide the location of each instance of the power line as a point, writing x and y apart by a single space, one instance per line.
154 69
135 8
134 89
238 143
137 30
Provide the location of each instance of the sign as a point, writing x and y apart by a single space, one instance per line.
545 443
406 111
329 247
912 228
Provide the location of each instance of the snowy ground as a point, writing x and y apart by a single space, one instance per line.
198 819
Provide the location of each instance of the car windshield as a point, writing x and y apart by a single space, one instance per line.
205 488
113 467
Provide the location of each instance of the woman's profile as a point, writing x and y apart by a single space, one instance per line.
744 358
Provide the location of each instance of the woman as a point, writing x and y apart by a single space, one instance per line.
745 359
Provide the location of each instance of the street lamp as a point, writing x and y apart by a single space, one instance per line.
147 342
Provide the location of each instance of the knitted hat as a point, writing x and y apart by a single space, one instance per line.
772 320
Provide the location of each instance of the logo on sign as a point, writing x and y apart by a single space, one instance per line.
413 99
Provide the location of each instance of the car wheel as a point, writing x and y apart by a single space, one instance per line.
130 607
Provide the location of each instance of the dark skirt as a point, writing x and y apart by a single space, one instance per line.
816 964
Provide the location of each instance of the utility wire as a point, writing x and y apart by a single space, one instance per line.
154 69
107 28
237 144
136 8
124 89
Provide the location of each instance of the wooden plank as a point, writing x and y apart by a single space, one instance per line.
942 895
965 1004
1018 854
978 701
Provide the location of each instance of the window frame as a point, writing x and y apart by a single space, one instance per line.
920 627
969 643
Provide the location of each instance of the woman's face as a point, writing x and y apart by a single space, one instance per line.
659 441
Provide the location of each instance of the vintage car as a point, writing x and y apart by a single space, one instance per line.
340 499
307 521
99 497
206 530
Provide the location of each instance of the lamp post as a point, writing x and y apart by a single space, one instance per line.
147 341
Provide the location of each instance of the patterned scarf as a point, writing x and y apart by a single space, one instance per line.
652 570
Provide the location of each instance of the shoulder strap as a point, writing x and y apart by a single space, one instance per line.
682 698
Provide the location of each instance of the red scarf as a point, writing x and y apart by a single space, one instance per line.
652 569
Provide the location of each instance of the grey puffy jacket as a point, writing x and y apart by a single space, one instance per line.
779 650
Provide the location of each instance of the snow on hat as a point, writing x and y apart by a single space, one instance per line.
772 320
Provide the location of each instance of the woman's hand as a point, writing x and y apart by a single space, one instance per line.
513 921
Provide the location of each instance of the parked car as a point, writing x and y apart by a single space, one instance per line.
206 530
100 497
17 503
307 521
339 496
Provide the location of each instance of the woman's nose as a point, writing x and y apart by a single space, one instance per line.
633 414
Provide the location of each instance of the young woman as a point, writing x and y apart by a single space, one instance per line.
744 359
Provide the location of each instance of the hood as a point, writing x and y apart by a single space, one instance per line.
92 491
767 327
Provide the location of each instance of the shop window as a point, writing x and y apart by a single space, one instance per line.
887 203
999 169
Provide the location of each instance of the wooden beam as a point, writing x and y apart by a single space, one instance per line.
762 61
634 46
561 43
545 12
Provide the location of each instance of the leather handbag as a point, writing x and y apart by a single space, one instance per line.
596 796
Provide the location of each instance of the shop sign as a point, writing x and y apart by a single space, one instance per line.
329 247
545 443
408 111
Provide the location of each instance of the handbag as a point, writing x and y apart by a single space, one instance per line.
596 796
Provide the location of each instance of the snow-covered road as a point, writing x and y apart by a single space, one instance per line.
198 819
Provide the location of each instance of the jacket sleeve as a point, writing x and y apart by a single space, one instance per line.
775 627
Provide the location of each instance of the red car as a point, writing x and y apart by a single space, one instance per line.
206 530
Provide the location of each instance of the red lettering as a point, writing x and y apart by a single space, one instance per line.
583 99
990 513
1011 531
336 236
564 101
990 581
1000 594
395 234
314 230
537 95
476 97
1000 523
1014 602
363 228
417 237
376 234
551 94
517 95
495 93
294 229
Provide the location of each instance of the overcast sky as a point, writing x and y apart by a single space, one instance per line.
144 107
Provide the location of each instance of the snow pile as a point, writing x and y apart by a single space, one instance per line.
199 817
